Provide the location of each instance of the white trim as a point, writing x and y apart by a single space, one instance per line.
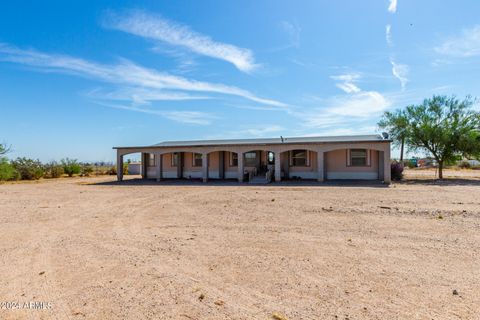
307 160
368 160
230 159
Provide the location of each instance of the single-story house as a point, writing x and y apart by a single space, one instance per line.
361 157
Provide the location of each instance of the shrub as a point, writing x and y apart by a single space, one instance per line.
28 169
86 170
71 166
112 171
411 164
464 164
7 171
396 171
53 170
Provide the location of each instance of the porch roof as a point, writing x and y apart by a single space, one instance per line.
269 141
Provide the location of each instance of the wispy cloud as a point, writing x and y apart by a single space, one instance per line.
125 72
255 132
347 83
400 71
292 29
466 44
155 27
388 35
393 6
188 117
342 110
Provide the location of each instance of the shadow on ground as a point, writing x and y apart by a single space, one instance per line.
235 183
444 182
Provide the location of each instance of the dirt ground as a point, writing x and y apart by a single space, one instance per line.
90 248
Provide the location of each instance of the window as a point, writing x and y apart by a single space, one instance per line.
197 160
151 160
174 159
270 157
299 158
358 157
250 159
233 159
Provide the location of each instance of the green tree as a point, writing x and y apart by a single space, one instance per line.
7 171
445 127
4 149
396 124
53 169
28 169
71 166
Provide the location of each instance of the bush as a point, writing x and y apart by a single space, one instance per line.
112 171
464 164
53 170
28 169
86 170
71 166
411 164
7 171
396 171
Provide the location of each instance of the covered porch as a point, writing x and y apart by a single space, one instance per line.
264 162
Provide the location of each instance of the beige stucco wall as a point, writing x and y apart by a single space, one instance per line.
337 168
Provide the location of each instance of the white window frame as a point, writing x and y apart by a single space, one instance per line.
368 157
307 158
194 158
151 160
232 154
172 158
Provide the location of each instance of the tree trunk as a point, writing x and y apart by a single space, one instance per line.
440 169
401 151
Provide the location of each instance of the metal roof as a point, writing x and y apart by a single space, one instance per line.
266 141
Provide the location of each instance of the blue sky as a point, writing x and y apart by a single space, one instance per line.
79 78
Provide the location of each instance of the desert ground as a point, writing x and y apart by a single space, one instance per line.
92 248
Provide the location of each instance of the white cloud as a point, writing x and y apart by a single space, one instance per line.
347 83
263 131
342 110
467 44
362 104
155 27
192 117
388 35
124 73
400 71
393 6
189 117
293 32
141 96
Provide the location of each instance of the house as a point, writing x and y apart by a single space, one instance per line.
361 157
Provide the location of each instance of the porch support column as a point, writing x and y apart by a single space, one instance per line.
278 170
380 165
159 164
240 166
320 166
144 165
205 167
179 165
386 165
119 166
221 164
